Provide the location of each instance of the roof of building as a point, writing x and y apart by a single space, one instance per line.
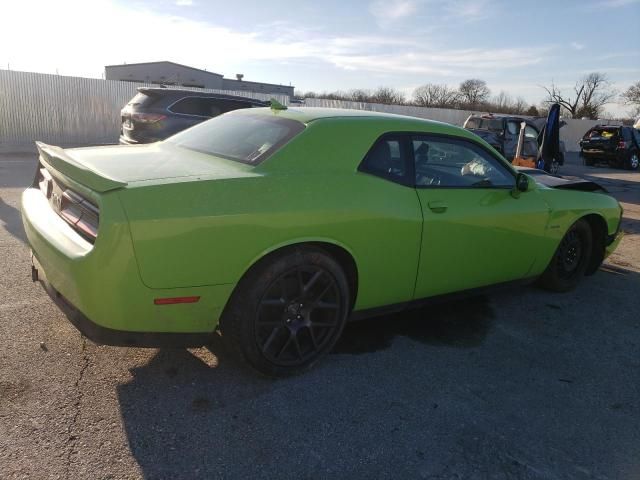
258 83
166 61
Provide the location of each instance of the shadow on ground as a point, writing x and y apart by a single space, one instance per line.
198 414
464 326
451 391
11 220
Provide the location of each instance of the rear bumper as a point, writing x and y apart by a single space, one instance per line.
603 155
99 287
129 141
108 336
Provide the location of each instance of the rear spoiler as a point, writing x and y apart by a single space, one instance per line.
65 164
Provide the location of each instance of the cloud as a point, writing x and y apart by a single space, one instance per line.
577 46
469 10
184 3
389 11
196 42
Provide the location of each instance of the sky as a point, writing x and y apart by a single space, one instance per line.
327 45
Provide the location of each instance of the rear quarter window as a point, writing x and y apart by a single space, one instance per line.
248 139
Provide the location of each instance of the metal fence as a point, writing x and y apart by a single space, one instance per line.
74 111
68 111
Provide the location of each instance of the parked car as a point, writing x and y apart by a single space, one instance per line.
157 113
277 225
501 132
617 145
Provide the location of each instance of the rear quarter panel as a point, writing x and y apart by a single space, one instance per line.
209 232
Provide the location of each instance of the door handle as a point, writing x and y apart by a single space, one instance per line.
437 206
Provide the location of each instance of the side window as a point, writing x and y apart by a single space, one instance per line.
190 106
626 134
386 160
212 107
444 162
229 105
513 127
636 134
530 132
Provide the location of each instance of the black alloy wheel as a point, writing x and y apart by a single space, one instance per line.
569 254
298 315
288 311
570 261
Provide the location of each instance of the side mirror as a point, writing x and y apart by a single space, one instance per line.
522 182
522 185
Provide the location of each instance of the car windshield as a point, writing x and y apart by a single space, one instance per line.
244 138
491 124
605 133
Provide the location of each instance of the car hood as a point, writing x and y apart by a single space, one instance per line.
158 161
562 182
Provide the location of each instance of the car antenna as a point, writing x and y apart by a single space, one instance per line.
276 105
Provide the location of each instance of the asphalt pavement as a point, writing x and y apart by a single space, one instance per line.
517 384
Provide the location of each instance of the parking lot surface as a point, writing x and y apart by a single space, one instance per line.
517 384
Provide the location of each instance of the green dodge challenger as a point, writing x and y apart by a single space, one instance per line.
273 227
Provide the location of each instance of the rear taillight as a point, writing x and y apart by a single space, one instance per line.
80 213
45 182
147 117
77 211
621 144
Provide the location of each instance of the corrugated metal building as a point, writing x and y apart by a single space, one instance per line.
170 73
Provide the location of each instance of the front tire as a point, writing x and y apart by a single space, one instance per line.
287 312
570 261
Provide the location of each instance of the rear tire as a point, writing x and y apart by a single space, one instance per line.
287 312
633 162
570 261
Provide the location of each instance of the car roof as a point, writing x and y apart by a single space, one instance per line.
159 91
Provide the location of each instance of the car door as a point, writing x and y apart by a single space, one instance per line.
475 232
512 132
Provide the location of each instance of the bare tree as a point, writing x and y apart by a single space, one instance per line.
533 111
520 106
387 95
474 92
631 96
592 93
433 95
359 95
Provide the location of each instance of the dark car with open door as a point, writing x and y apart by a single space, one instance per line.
502 132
